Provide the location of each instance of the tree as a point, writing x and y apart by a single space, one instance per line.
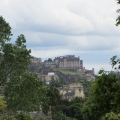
115 62
14 58
73 109
49 60
104 96
118 18
25 93
57 83
54 100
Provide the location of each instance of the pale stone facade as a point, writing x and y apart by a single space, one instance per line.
71 91
69 62
36 60
49 77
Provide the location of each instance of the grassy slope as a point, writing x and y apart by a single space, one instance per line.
64 71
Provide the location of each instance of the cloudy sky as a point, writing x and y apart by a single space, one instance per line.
84 28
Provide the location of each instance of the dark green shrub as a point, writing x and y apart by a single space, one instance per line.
22 116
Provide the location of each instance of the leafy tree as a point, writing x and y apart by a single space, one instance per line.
104 97
49 60
25 93
14 58
115 62
54 100
73 109
57 83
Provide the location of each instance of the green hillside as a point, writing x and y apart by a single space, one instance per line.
65 71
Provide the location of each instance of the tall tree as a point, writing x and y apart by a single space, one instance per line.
54 100
104 97
73 109
23 91
14 58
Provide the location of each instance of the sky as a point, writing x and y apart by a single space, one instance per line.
84 28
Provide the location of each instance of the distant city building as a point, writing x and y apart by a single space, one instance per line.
50 76
47 63
69 62
36 60
71 91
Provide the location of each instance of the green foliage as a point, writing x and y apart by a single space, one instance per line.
118 18
62 108
115 62
104 97
111 116
61 116
3 104
22 116
14 58
57 83
54 100
25 93
5 31
49 60
73 108
86 85
6 117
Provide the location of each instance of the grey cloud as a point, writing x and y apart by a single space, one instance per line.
62 17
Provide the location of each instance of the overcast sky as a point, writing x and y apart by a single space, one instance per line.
84 28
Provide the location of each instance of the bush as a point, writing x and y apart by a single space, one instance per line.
111 116
22 116
5 117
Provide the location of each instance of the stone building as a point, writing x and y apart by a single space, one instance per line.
51 76
36 60
51 64
69 62
71 91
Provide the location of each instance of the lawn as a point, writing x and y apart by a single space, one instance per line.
65 71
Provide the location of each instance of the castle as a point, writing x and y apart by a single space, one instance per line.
69 62
65 62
